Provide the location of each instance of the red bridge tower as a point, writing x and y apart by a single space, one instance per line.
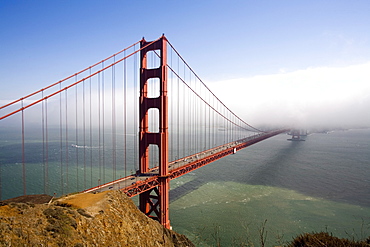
154 202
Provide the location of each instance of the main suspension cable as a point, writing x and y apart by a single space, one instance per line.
258 130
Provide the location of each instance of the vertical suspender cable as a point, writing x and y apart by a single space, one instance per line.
103 123
99 126
194 118
43 139
189 131
217 122
77 144
223 123
114 119
47 147
209 125
231 138
23 155
197 116
220 124
213 125
199 119
206 130
84 128
191 104
207 119
125 114
172 113
193 112
61 140
91 149
235 130
228 129
178 110
205 124
203 112
184 120
225 126
226 123
67 153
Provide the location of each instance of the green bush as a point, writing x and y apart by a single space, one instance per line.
325 239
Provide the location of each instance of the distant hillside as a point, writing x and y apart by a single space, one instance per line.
102 219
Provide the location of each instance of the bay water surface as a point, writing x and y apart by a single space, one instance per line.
278 189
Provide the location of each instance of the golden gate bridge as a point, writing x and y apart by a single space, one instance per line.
133 122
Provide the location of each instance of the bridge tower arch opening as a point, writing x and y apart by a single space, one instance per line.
154 202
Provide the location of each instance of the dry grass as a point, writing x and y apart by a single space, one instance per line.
102 219
83 200
7 210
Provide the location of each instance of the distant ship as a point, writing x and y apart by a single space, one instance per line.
297 135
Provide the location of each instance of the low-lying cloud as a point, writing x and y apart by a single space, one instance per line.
314 97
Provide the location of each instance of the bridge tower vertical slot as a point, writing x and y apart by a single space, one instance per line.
160 138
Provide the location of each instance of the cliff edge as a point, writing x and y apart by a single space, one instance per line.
101 219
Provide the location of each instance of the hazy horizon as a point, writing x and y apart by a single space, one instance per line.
273 63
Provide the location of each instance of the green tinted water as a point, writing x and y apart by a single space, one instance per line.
321 184
234 213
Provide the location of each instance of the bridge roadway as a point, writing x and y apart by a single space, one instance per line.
135 184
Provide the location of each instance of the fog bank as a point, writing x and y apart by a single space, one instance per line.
313 97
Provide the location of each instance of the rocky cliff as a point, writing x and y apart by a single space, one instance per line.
102 219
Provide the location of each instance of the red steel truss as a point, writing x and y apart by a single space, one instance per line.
154 181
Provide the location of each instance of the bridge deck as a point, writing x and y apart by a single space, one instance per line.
137 183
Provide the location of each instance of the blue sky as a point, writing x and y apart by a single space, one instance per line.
225 42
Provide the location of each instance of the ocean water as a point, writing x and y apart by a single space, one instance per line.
59 166
276 188
279 188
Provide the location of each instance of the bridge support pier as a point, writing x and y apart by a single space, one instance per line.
155 202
